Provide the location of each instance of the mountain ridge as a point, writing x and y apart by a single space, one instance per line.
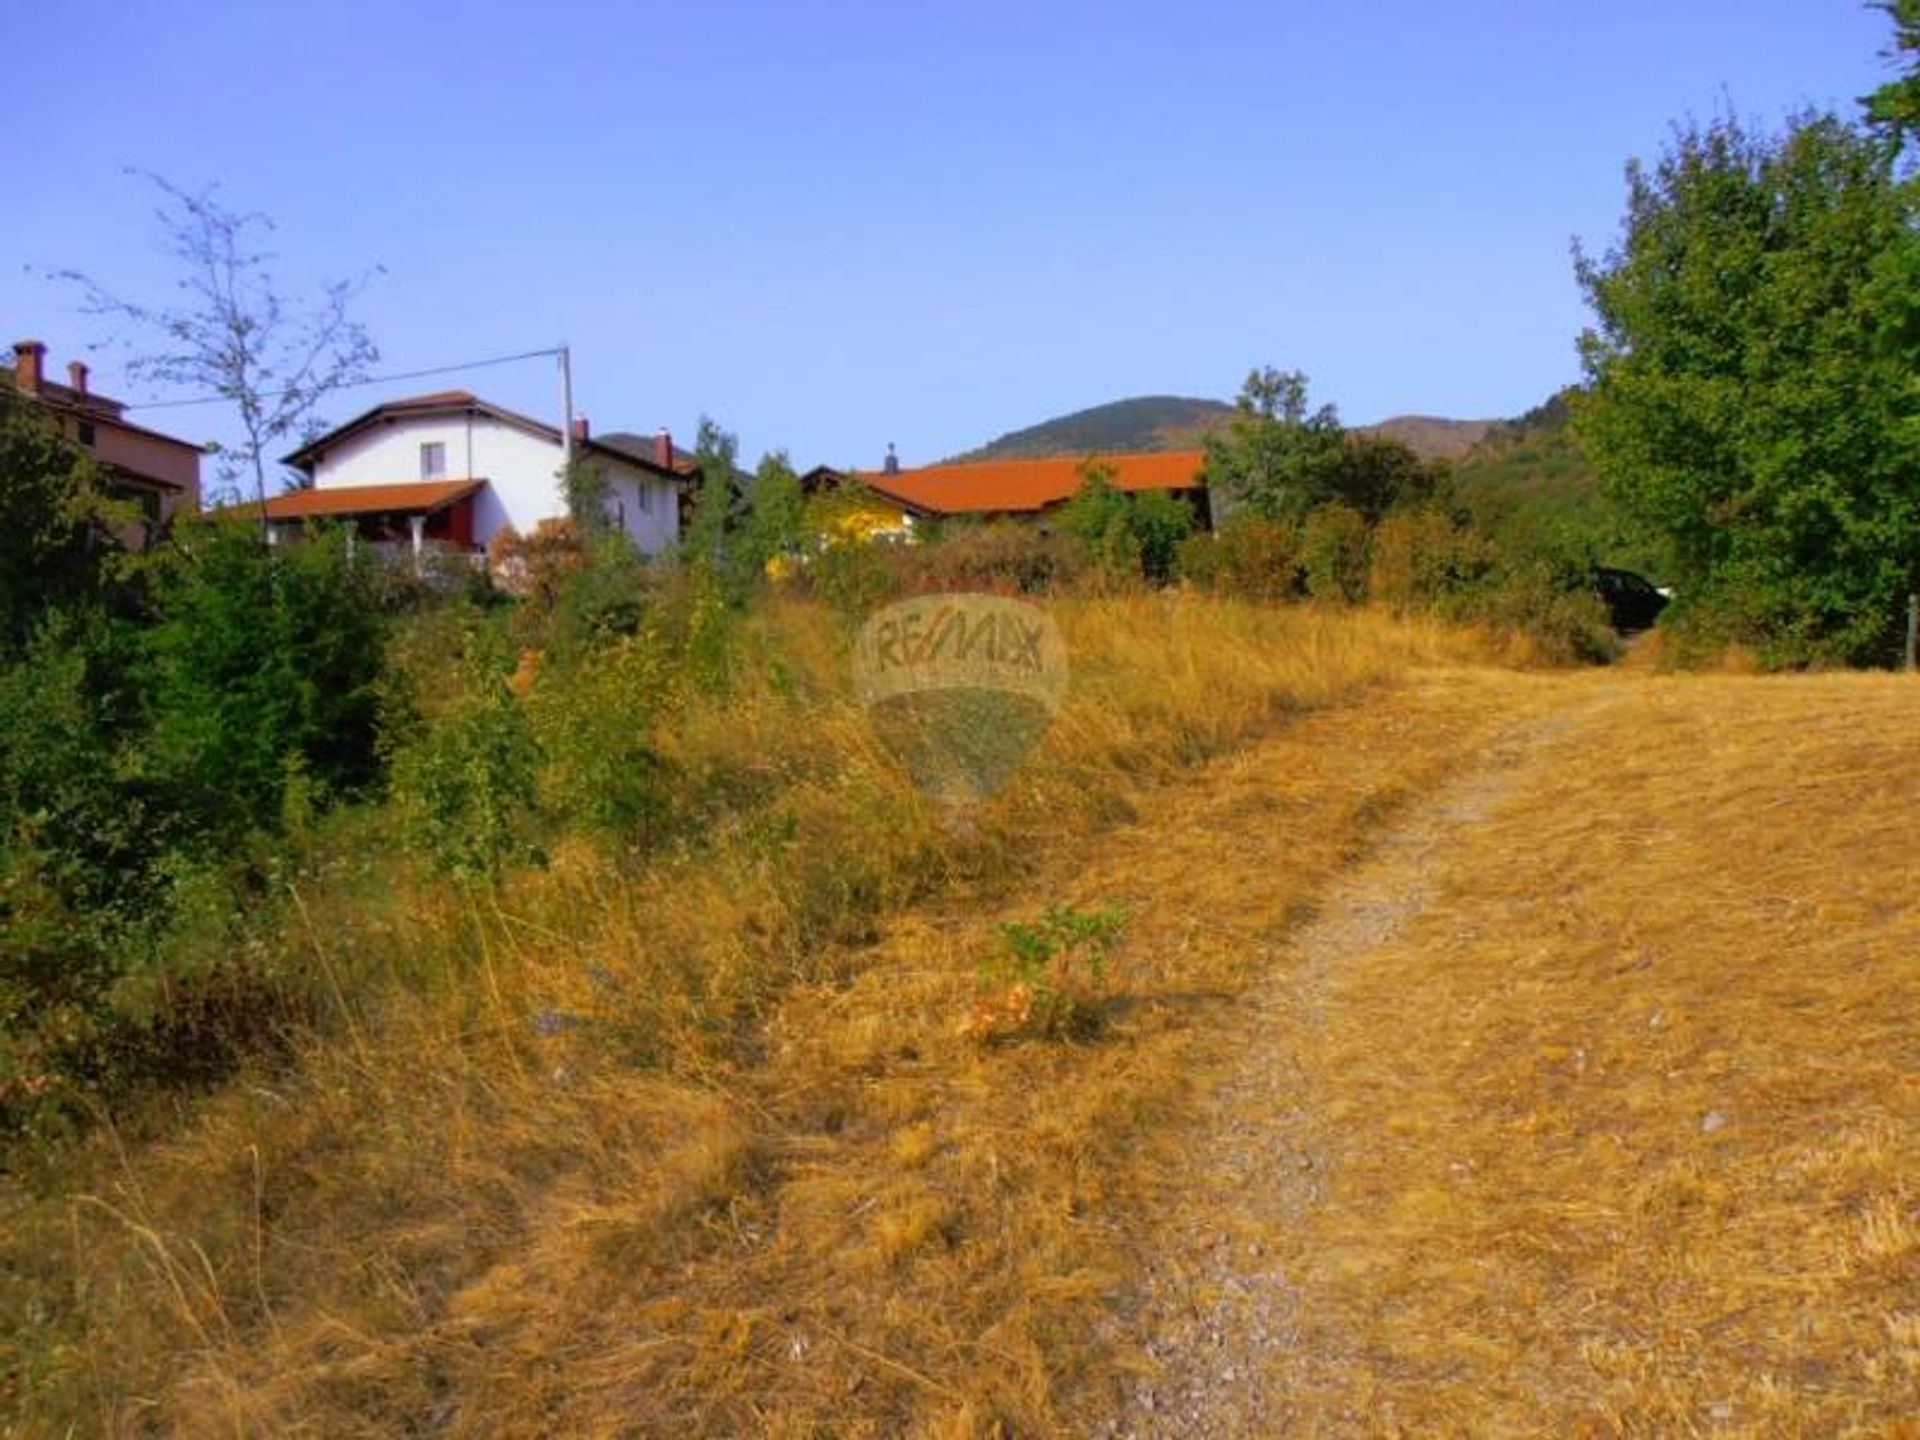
1183 422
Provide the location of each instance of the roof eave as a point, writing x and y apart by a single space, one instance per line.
254 509
307 456
639 462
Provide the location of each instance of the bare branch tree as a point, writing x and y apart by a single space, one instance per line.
235 334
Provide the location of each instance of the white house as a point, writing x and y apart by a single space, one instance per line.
450 471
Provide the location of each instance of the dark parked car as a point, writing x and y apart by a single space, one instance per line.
1633 602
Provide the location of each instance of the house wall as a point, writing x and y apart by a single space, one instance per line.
522 472
147 455
646 507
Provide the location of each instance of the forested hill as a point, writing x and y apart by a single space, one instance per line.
1531 460
1530 482
1432 438
1178 422
1146 422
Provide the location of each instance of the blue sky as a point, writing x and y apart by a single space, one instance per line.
832 227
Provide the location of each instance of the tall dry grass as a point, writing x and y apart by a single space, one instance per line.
694 1146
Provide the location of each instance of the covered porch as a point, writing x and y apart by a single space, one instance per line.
414 519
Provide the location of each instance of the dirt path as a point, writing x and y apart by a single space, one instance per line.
1216 1312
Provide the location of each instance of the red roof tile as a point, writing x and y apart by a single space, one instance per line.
1018 486
412 497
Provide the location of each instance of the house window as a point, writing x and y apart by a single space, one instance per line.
644 489
433 460
86 432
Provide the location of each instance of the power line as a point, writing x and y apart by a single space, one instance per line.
355 384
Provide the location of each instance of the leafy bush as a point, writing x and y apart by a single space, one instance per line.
465 786
1419 556
775 527
602 599
1001 557
99 866
853 576
1548 600
1333 553
1250 557
1539 583
537 566
1125 536
595 723
1161 523
80 857
1048 974
265 668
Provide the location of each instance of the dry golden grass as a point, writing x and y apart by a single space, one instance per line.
1622 1134
695 1149
700 1149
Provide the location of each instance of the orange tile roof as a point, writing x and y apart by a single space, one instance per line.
410 497
1015 486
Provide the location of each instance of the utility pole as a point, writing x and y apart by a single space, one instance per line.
566 411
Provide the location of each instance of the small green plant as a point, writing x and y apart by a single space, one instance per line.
465 787
1048 974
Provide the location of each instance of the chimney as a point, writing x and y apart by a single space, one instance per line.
28 358
891 466
77 377
582 432
663 448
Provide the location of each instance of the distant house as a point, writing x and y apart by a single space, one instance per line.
450 471
160 473
1017 489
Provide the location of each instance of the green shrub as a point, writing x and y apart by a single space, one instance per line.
265 666
1418 556
1124 536
1005 557
1161 523
95 869
853 576
1250 557
595 723
1333 554
604 599
1544 598
77 860
465 786
1050 973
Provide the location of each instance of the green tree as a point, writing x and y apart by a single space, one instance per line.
1096 509
1373 474
776 516
1277 455
718 499
1752 394
1161 523
585 487
1895 106
1133 535
56 525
